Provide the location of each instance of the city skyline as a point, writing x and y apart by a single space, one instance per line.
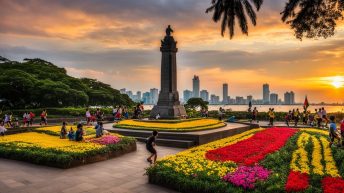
120 47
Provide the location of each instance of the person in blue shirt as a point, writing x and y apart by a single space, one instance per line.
333 130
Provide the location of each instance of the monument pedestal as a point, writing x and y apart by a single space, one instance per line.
168 106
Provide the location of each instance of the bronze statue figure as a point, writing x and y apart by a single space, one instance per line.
169 30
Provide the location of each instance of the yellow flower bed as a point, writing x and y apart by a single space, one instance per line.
200 124
317 156
321 151
330 167
300 155
33 139
193 161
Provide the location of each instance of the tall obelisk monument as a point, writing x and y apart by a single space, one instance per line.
168 106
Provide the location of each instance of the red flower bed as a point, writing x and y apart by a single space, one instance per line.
332 185
254 149
297 182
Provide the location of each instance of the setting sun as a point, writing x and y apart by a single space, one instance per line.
337 81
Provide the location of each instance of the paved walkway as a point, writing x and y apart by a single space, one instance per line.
118 175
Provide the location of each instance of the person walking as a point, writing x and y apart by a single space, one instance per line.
297 117
255 115
44 117
288 118
271 114
324 116
150 146
125 113
333 130
32 117
88 116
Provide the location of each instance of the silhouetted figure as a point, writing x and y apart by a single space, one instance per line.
169 30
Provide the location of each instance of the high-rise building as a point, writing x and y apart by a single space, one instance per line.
266 93
214 99
205 95
225 94
195 86
289 98
273 98
138 95
146 98
187 94
154 94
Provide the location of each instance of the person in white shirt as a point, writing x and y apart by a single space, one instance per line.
88 116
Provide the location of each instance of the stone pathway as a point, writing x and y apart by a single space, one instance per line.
118 175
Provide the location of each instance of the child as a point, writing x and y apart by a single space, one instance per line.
63 131
333 130
150 143
71 134
2 129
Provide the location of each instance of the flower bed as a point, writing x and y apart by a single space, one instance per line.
45 149
183 126
286 160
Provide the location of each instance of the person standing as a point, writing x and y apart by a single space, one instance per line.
324 116
333 130
2 129
288 118
220 114
32 117
297 117
88 116
255 115
150 144
25 121
44 117
271 116
319 117
7 120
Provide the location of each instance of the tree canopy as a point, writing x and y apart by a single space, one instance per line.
308 18
37 83
194 103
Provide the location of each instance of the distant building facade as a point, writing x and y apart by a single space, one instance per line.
214 99
187 94
154 94
266 93
289 98
204 95
225 94
273 99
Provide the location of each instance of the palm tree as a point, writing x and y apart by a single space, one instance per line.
227 10
313 18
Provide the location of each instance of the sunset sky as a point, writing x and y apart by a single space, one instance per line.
118 41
